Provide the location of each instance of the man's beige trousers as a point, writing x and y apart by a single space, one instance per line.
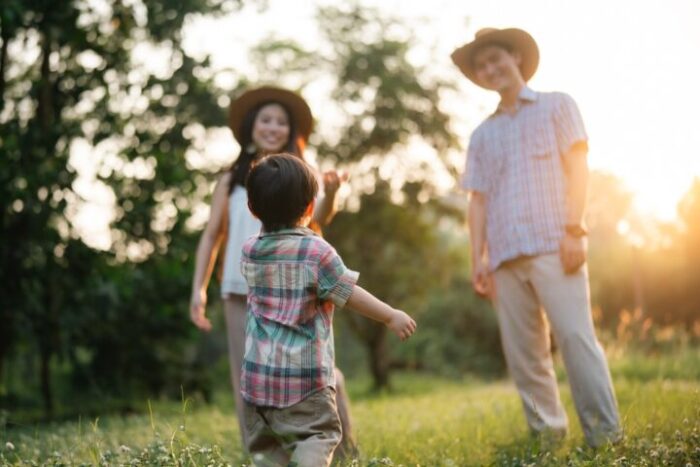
532 293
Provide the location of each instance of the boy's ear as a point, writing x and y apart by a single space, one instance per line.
310 209
250 208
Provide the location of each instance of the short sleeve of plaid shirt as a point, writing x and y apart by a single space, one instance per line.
474 178
335 280
569 128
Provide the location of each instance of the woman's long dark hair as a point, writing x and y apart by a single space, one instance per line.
241 167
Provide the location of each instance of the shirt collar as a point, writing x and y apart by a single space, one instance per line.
300 231
526 95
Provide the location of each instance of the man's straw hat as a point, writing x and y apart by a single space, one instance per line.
515 39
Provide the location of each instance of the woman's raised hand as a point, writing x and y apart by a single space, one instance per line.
332 179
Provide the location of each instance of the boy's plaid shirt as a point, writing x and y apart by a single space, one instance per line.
295 280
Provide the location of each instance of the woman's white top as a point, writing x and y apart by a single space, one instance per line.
241 226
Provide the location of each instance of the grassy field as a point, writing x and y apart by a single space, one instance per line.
425 421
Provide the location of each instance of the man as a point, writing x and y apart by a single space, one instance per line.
527 176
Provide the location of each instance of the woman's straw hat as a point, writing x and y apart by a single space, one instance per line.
293 102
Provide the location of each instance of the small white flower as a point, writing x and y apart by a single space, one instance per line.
124 448
9 446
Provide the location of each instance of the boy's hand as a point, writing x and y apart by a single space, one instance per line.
198 306
370 306
401 324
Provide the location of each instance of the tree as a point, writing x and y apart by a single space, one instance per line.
384 103
689 212
401 260
610 253
387 103
689 244
85 85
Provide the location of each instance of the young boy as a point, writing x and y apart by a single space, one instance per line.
295 280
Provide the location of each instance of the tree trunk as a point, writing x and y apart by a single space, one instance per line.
637 283
3 354
5 37
46 326
379 358
44 106
373 336
5 341
45 380
6 330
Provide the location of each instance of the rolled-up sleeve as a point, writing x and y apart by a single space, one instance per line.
335 280
569 125
474 176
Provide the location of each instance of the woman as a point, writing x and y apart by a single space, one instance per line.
264 121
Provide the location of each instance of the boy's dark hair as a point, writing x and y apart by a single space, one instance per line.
280 188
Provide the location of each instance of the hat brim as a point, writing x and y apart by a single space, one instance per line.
293 102
516 39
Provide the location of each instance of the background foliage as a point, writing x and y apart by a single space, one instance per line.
83 324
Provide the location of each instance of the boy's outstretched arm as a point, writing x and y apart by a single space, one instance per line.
370 306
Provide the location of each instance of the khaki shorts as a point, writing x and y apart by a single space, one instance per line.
304 434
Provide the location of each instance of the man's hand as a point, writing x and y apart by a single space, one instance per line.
573 252
198 306
401 324
332 181
482 280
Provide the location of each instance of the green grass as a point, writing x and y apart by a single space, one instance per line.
425 421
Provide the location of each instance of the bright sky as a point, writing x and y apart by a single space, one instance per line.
632 65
